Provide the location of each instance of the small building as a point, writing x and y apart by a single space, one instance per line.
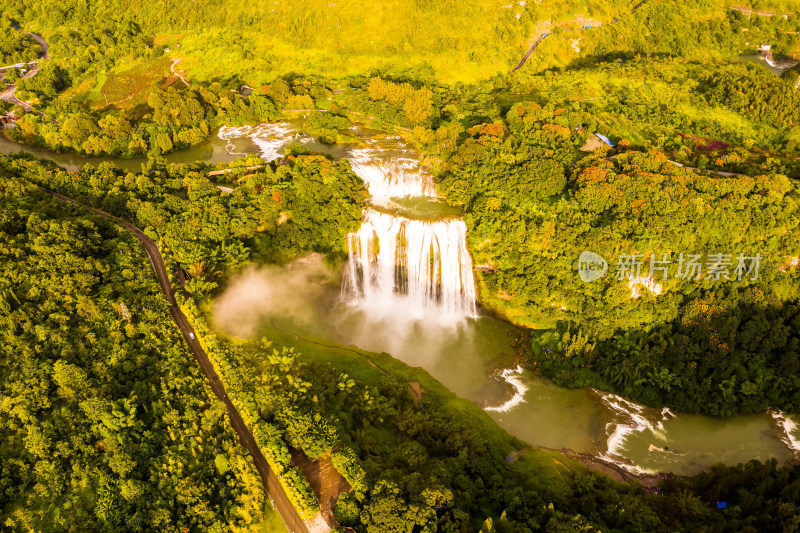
605 139
592 143
7 122
764 48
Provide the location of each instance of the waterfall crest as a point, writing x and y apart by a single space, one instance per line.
393 176
419 265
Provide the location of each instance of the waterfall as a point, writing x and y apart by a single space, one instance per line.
789 433
416 265
391 176
270 138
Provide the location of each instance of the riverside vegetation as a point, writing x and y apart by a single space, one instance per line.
433 465
100 432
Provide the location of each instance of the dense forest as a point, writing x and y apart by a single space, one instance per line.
534 205
413 466
433 465
108 424
315 36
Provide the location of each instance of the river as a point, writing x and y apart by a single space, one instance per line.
228 144
427 316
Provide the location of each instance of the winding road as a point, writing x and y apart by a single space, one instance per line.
272 486
8 93
549 32
175 61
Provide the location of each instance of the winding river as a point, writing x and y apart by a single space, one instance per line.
408 290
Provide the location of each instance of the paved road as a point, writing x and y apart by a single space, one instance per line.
542 36
274 490
8 93
528 53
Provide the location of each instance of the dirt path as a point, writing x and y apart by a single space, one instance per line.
274 490
175 61
747 11
594 463
528 53
324 479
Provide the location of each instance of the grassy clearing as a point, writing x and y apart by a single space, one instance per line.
260 59
167 39
88 92
128 85
271 523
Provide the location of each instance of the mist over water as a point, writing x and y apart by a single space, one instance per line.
416 342
408 289
269 292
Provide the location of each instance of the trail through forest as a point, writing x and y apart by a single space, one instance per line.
272 486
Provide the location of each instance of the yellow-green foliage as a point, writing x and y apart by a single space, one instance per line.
129 84
461 40
417 103
266 435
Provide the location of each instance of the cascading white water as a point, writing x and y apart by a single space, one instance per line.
789 432
270 138
393 176
400 268
630 418
413 264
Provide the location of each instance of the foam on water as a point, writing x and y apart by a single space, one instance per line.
629 418
270 138
391 174
790 433
512 376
